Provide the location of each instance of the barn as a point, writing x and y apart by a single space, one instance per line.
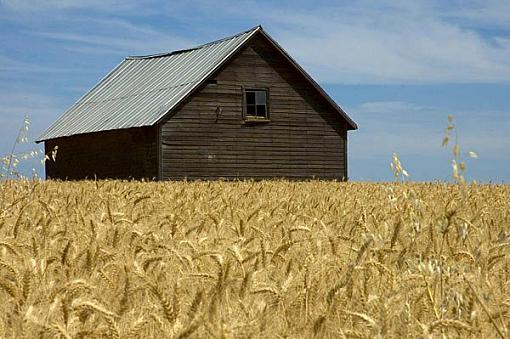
239 107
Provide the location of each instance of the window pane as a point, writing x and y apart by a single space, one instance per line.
250 98
256 103
261 110
260 97
250 110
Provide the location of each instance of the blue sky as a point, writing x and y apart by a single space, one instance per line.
399 68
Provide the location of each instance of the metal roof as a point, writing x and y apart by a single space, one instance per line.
141 90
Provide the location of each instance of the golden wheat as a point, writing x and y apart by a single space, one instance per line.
254 259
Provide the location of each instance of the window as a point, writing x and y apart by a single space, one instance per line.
255 104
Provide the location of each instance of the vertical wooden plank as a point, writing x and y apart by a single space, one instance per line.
121 154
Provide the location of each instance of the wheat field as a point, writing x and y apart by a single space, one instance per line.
268 259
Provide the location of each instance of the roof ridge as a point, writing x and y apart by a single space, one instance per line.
165 54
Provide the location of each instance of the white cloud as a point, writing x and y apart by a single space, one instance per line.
13 65
390 41
384 107
410 129
122 37
10 64
409 50
365 42
101 5
489 13
146 42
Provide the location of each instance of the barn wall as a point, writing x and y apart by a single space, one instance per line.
305 137
120 154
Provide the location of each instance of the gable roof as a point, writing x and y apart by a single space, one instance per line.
142 90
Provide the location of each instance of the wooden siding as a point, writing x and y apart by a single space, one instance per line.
305 137
119 154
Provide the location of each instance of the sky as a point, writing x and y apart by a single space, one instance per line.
398 68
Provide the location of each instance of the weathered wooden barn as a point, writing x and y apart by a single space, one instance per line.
239 107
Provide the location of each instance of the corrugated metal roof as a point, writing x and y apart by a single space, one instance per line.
141 90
